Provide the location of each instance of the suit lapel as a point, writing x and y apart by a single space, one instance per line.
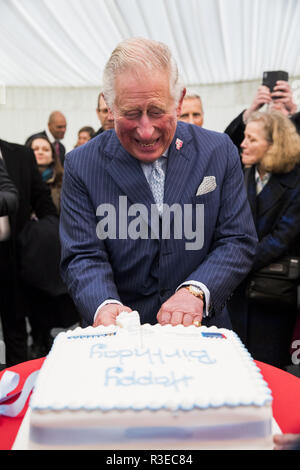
269 196
251 189
274 190
127 173
181 161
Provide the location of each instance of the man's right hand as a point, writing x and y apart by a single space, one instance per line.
263 96
283 95
108 313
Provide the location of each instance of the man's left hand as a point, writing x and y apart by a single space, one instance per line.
182 308
282 93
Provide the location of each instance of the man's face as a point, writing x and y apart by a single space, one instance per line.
58 126
104 116
145 113
192 111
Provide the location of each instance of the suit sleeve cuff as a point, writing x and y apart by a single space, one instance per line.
108 301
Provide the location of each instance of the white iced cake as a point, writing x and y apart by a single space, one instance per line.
132 386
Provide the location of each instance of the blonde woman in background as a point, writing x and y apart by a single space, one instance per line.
270 153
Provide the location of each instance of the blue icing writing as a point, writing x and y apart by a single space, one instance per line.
150 356
113 378
202 357
96 349
119 354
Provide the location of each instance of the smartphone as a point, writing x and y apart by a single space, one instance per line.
270 78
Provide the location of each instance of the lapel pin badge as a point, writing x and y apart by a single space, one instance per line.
178 144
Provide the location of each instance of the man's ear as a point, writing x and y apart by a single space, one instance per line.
179 106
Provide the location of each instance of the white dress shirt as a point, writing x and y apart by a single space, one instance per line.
261 181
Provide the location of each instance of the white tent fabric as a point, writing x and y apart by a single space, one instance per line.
67 42
52 53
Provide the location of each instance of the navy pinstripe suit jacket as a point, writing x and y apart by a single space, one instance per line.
143 273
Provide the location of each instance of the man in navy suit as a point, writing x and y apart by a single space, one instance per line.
122 249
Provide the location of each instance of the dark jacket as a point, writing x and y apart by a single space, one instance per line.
8 192
266 329
34 195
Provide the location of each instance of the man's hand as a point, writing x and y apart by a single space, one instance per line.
286 441
182 308
263 96
108 313
282 93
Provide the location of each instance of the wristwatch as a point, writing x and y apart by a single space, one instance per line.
196 291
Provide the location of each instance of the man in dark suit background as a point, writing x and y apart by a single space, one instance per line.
104 117
154 163
8 195
34 196
57 126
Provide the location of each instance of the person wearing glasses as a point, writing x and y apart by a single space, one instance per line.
105 118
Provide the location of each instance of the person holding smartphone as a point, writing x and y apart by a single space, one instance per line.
279 98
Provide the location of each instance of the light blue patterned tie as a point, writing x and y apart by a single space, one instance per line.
157 182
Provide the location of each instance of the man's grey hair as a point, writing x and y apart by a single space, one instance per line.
192 96
134 54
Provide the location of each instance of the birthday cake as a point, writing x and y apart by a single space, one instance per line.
132 386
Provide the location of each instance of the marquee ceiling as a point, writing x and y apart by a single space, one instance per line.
67 42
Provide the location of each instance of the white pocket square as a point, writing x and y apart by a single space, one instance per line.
208 184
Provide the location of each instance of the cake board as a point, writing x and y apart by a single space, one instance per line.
22 439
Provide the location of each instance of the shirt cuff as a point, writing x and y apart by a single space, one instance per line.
205 292
108 301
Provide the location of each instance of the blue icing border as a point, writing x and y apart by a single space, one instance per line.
99 335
